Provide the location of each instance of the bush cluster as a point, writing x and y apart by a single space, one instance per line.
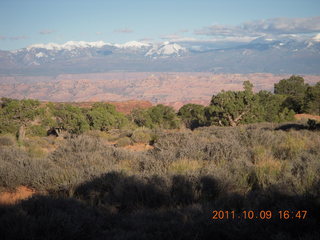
101 191
242 158
227 108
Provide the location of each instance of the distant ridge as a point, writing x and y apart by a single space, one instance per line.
277 56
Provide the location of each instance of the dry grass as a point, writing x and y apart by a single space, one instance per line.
7 140
292 144
185 166
123 142
170 190
268 171
128 166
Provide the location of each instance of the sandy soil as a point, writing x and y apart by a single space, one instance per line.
138 147
21 193
307 116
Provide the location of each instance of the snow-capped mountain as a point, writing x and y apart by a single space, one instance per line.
38 54
70 45
154 50
316 38
166 49
265 54
133 45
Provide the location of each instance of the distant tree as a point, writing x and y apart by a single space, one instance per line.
295 90
273 109
193 115
15 115
71 118
312 99
141 117
103 116
233 107
163 116
215 117
156 116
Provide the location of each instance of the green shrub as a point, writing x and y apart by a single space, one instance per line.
192 115
156 116
37 130
71 118
141 135
103 116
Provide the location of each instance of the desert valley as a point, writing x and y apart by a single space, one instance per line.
170 88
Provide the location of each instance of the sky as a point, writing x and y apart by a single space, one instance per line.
26 22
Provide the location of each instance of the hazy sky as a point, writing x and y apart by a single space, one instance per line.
25 22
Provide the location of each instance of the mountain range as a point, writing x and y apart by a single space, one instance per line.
277 56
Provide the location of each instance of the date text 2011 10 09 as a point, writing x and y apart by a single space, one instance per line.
262 214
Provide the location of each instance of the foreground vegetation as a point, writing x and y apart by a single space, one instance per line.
90 185
90 189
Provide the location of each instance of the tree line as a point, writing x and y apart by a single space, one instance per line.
227 108
231 108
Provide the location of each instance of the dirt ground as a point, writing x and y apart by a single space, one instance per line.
307 116
21 193
138 147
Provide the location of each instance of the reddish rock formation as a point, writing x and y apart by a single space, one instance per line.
174 89
127 106
124 106
178 105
